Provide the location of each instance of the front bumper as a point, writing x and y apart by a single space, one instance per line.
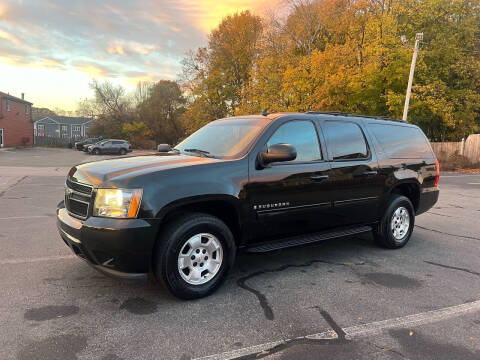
121 248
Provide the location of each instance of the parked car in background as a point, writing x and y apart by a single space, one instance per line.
86 142
110 146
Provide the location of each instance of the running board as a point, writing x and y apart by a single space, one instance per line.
306 239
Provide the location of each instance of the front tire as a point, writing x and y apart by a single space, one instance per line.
96 152
193 255
396 226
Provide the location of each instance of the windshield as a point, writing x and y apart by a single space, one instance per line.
228 138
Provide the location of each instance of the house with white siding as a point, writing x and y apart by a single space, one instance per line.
62 126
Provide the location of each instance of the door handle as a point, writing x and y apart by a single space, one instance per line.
319 177
367 173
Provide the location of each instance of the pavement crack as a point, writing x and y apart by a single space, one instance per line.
388 350
339 340
449 234
434 213
267 309
13 185
328 318
453 267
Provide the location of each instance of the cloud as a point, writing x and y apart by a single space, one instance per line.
5 35
3 11
110 38
91 69
116 49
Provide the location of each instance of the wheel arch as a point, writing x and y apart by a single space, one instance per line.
224 207
409 189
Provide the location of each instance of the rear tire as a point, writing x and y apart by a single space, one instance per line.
123 151
185 259
396 226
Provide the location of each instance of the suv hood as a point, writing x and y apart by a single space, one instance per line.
98 172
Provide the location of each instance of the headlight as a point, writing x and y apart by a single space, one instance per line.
117 203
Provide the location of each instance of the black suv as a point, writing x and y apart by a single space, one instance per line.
256 183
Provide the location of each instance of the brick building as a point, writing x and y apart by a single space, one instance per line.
16 128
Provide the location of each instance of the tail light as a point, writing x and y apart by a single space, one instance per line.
437 175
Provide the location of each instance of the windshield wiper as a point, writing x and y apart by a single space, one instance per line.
199 151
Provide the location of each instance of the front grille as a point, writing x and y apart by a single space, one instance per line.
85 189
78 198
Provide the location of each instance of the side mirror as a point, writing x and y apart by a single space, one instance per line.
277 153
164 148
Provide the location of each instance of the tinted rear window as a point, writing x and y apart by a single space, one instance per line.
401 142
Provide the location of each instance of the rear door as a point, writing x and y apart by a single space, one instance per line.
356 183
288 198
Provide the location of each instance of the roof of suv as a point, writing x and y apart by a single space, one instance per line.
342 116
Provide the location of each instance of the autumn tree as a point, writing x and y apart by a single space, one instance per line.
218 73
345 55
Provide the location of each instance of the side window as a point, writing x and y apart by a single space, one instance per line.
345 140
8 105
302 135
401 142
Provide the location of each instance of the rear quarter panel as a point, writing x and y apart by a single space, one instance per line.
410 169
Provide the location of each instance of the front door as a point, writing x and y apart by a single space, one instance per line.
107 147
357 184
288 198
1 138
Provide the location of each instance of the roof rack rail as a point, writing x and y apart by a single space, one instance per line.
340 113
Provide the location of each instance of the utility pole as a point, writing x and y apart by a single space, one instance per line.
418 38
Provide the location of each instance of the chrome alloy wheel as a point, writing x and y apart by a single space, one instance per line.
200 259
400 223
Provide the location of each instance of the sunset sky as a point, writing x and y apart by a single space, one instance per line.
51 49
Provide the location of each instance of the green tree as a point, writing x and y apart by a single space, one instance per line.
136 132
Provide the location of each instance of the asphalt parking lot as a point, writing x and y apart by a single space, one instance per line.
340 299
